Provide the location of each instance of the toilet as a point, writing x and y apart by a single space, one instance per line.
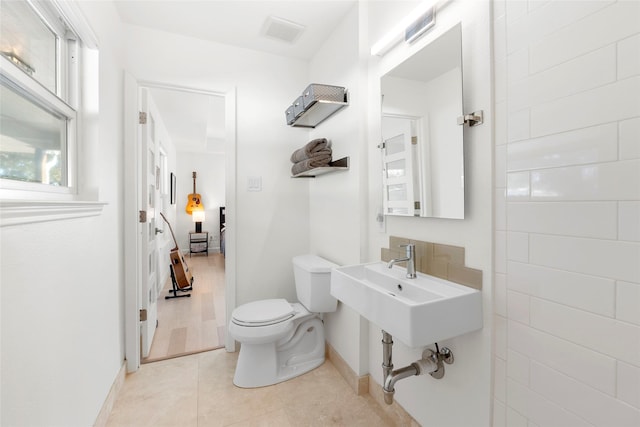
280 340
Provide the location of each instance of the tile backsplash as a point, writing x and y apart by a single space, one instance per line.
444 261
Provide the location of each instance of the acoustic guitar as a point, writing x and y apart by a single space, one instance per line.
194 200
184 279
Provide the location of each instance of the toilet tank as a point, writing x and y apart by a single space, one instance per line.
312 275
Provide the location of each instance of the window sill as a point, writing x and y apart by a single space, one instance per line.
16 212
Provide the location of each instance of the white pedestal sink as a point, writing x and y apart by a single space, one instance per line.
417 312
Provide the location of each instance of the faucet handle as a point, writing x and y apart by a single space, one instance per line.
411 247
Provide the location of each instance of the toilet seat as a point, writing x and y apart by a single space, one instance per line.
263 313
265 321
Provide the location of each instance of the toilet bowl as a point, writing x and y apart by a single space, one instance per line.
280 340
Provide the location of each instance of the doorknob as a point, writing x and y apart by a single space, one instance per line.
159 230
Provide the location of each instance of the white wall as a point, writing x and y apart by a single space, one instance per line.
336 200
266 84
344 205
467 382
62 282
210 184
58 365
567 230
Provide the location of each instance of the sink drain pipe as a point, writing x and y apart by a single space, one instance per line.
431 363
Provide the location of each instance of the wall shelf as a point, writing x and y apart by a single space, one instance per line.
336 165
317 113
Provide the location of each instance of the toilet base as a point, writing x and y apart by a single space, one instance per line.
266 364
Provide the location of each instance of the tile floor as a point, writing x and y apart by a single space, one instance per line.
197 391
196 323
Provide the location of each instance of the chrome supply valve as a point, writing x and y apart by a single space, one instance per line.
439 357
432 363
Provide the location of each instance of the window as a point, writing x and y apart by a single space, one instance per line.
39 83
49 68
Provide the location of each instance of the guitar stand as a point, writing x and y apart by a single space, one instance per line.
175 287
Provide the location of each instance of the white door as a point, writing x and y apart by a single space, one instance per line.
397 166
150 202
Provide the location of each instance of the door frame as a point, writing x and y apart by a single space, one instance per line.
131 238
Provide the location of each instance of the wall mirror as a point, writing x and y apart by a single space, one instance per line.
422 150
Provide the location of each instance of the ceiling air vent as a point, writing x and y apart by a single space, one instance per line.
281 29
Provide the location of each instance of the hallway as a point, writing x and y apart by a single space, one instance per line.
196 323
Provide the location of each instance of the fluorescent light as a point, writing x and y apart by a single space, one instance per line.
397 32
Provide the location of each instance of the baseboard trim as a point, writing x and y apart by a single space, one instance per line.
364 384
359 384
394 411
107 406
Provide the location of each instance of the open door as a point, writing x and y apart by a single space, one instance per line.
150 203
142 203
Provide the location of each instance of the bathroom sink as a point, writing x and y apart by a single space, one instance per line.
417 312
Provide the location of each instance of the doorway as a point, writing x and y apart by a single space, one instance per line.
219 140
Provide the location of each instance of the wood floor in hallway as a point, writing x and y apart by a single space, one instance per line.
194 324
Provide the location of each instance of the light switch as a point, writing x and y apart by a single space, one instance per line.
254 183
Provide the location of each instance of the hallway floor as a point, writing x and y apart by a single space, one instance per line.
197 391
196 323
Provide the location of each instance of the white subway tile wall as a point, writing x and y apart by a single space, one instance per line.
567 213
628 137
628 220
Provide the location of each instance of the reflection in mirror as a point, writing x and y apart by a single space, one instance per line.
422 154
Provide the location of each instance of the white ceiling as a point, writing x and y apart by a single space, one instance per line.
240 22
193 121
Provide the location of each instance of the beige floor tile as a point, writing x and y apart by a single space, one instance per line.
325 399
159 394
198 391
272 419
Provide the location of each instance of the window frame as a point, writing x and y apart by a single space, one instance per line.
28 202
63 103
35 93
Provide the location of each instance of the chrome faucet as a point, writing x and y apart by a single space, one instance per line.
410 258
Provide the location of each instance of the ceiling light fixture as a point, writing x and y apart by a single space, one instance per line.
410 27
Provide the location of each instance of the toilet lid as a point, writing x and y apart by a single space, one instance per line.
264 312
